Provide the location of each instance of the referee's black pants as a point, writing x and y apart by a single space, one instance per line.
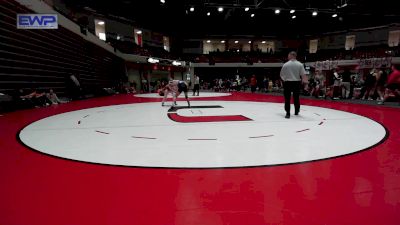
290 87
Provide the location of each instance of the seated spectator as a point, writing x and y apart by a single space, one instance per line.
34 98
21 99
6 101
270 85
39 98
53 97
131 89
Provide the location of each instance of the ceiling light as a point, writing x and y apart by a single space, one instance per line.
162 1
176 63
314 13
151 60
246 9
236 42
263 42
139 32
208 41
102 36
238 50
342 6
294 17
249 42
191 9
277 11
292 11
100 23
252 15
222 41
118 37
208 14
334 15
220 9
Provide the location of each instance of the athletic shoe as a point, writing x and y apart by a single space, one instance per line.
287 116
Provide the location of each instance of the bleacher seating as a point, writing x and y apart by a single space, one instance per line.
45 58
303 55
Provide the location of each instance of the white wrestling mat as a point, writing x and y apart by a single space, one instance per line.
148 135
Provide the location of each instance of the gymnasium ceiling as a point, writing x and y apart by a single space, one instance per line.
175 17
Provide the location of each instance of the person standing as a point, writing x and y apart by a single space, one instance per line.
74 87
253 84
196 86
337 83
265 84
352 86
369 83
291 74
393 85
380 84
346 79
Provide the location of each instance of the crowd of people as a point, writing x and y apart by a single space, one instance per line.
29 98
379 84
257 56
244 83
33 97
376 85
336 84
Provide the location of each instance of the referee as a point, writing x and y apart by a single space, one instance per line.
291 74
196 85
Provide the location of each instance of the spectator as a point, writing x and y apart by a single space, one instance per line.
265 84
35 98
336 85
393 85
52 97
253 83
380 83
369 84
22 100
352 86
270 85
346 84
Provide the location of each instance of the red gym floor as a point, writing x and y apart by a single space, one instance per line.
360 188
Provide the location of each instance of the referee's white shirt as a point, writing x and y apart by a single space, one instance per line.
292 70
197 80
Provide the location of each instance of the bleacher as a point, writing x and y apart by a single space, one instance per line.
45 58
303 55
